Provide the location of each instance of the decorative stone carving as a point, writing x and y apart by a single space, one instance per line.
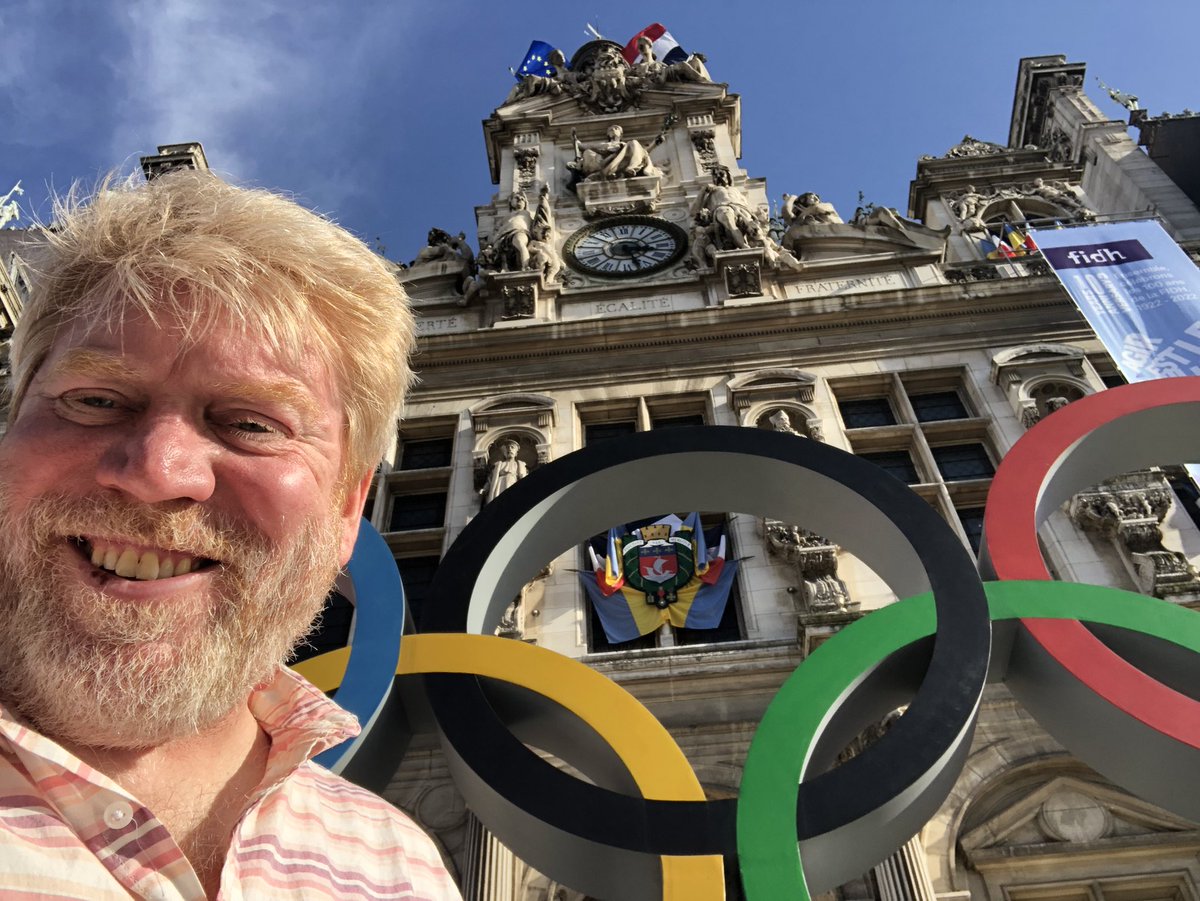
1041 398
968 207
781 422
560 80
519 301
543 257
1059 194
657 72
724 220
1072 816
513 253
512 243
743 280
734 223
1129 511
815 559
506 470
605 82
962 275
704 141
513 619
614 158
1058 146
527 163
702 248
970 147
757 394
442 246
807 209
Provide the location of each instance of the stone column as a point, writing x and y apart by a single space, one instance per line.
904 876
490 867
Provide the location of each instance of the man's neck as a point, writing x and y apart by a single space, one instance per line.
197 786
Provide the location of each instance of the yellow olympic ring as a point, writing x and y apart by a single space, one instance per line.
643 745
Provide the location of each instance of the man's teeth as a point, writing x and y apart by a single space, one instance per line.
145 566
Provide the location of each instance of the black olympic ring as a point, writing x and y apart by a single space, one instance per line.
546 815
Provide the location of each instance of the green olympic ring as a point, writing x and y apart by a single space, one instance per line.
788 736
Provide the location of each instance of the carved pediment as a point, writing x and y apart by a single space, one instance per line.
1069 811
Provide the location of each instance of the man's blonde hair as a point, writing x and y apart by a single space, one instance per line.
190 248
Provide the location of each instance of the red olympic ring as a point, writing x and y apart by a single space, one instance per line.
1093 438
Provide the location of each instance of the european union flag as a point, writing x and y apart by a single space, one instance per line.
535 61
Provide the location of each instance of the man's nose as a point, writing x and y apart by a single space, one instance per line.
161 457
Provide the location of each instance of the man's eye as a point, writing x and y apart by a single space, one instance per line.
252 427
88 405
98 403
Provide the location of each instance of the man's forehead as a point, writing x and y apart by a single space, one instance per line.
270 379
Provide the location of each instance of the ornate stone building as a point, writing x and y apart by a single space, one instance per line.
629 275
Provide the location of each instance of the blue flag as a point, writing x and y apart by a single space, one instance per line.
535 61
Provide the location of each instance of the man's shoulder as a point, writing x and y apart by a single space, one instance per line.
332 823
319 792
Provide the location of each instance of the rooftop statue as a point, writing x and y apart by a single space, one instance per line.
552 85
442 246
808 209
1129 101
654 70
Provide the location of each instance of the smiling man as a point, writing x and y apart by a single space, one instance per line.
203 381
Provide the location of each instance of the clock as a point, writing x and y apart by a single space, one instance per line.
625 247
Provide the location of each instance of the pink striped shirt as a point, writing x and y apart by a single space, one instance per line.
68 831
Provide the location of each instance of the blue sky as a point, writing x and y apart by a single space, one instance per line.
370 111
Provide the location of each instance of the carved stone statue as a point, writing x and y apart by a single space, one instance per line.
442 246
552 85
969 206
700 255
606 86
879 215
516 232
542 255
505 472
808 209
1129 101
1060 194
10 210
781 422
724 220
655 71
732 217
614 158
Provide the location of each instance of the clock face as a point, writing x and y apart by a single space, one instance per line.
626 247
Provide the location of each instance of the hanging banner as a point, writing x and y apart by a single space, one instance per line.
1137 289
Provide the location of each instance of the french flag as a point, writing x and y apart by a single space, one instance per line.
666 48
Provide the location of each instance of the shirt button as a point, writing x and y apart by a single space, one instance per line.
118 815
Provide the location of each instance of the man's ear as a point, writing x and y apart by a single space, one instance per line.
351 513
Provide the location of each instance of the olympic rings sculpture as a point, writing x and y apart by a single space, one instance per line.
642 827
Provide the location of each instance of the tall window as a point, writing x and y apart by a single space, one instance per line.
922 428
411 510
615 419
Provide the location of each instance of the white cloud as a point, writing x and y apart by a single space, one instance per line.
197 71
256 81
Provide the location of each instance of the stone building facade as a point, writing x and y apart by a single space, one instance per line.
635 278
629 275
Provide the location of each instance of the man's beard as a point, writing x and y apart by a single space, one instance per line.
88 668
